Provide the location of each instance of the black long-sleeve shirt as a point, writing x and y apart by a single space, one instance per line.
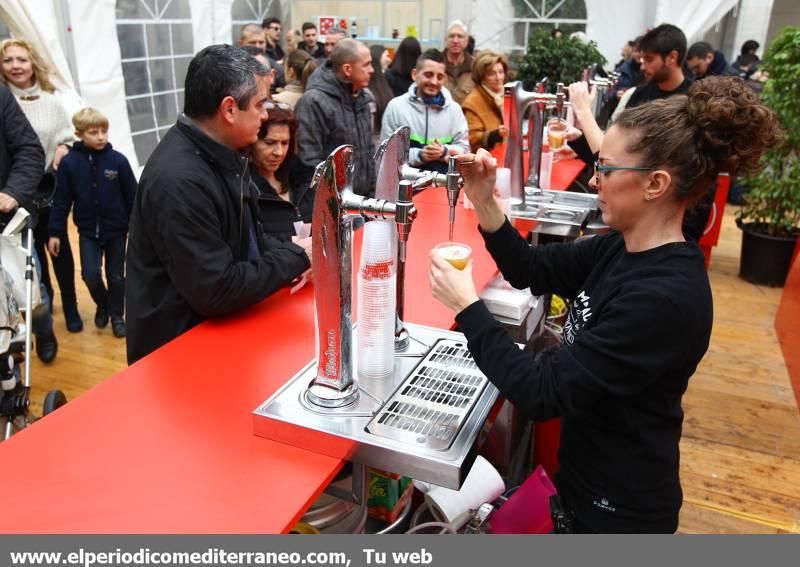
638 326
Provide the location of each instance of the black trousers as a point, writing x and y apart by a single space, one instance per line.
63 265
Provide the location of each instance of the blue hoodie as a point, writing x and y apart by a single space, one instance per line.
101 186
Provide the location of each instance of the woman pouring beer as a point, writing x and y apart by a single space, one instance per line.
641 310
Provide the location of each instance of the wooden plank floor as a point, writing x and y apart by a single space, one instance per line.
741 445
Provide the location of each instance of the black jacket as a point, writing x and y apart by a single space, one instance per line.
278 215
317 53
720 66
399 83
638 326
21 153
330 116
101 185
195 250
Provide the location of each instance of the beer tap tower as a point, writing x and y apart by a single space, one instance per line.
422 421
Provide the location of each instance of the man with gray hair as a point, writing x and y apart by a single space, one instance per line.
196 247
458 63
334 36
335 110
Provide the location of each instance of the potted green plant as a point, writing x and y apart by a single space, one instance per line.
770 217
560 59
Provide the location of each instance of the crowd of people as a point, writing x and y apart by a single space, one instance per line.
219 219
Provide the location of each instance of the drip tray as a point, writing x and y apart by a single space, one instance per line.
432 404
423 422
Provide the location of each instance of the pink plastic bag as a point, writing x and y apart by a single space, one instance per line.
527 511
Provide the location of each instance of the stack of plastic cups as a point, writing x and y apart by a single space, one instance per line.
502 186
377 300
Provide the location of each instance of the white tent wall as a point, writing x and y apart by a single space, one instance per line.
752 22
488 21
611 24
211 22
99 62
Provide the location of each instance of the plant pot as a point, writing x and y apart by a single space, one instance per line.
765 259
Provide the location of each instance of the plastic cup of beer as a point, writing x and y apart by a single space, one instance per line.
556 132
456 253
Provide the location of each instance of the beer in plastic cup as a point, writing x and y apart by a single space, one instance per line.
556 131
456 253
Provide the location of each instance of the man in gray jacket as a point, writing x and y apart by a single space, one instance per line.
335 110
437 123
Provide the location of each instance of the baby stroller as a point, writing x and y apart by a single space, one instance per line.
18 285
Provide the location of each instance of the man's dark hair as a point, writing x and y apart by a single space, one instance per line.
430 55
308 26
269 21
749 45
216 72
700 49
664 39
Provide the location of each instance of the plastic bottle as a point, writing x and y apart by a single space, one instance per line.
546 167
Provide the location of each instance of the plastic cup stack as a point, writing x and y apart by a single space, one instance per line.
377 300
503 188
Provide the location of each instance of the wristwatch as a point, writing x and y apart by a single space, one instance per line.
443 157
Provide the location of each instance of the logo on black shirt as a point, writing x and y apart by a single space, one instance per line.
579 313
111 174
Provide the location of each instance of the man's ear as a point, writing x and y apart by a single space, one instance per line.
414 74
673 56
658 183
229 109
347 70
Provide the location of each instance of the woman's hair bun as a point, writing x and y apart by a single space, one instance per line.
732 127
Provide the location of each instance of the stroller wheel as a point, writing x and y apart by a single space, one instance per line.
52 401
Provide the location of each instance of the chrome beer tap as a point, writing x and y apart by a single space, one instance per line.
517 101
454 183
335 208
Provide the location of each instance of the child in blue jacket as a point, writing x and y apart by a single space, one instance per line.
100 184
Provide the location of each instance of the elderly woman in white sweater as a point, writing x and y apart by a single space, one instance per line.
26 75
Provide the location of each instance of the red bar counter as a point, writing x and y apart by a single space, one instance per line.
167 445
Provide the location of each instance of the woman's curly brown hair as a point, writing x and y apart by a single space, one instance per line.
719 126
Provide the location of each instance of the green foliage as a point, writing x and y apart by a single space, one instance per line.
561 60
774 196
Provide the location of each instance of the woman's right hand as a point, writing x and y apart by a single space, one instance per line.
54 246
580 98
305 244
478 172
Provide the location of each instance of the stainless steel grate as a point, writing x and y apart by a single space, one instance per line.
431 404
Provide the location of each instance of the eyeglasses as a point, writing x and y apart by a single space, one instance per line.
600 168
272 105
275 28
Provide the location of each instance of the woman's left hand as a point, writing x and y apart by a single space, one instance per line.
61 151
452 288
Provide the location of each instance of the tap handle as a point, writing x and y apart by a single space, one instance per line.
404 192
452 165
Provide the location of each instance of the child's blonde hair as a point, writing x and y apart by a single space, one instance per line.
87 118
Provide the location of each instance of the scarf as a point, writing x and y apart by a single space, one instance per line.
437 100
496 97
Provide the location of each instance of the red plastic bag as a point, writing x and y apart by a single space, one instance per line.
527 511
